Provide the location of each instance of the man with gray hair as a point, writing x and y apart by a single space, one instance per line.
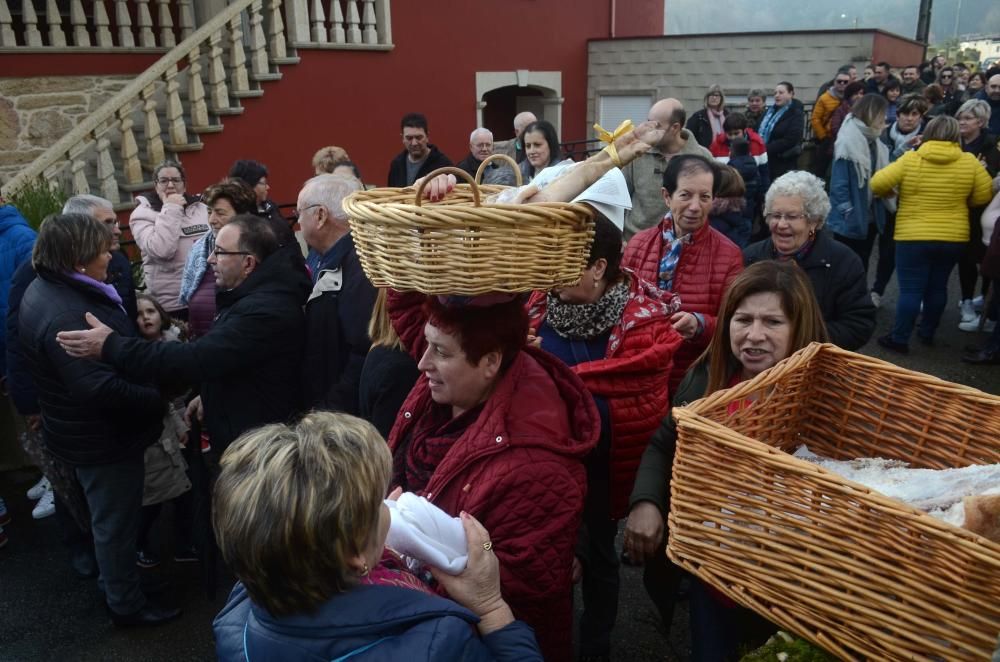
120 268
514 148
342 298
480 149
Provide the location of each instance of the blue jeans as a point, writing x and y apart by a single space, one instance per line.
923 269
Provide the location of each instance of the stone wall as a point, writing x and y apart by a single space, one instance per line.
36 112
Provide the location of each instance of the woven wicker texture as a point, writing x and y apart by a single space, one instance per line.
848 568
461 246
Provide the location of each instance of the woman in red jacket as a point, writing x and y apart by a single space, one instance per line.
613 329
685 256
498 430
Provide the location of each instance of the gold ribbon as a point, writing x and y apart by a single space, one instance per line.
610 139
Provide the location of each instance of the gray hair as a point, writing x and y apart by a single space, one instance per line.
978 109
805 186
86 204
472 136
330 191
756 92
523 119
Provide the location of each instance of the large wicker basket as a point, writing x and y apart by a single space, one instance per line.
856 572
463 246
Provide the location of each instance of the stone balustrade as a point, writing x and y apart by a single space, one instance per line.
95 24
192 88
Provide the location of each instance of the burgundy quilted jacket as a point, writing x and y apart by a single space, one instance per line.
519 470
632 377
707 265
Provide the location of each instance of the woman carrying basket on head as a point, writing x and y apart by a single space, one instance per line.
768 313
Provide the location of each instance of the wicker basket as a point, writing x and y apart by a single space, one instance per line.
461 246
855 572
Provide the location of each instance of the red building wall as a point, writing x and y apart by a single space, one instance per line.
355 99
897 51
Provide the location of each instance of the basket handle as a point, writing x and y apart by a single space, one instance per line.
499 157
449 170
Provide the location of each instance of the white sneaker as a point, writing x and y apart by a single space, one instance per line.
39 488
977 303
876 299
974 325
967 311
46 506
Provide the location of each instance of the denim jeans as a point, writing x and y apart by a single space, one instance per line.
722 631
114 496
923 269
886 256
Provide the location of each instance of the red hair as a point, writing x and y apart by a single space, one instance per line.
482 329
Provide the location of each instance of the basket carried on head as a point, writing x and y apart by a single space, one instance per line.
462 245
855 572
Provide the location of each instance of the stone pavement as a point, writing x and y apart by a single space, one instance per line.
46 613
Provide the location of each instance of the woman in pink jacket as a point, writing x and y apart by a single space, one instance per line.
165 226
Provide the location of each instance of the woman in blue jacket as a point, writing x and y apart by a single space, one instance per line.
856 217
299 516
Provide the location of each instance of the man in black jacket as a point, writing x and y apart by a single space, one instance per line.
248 363
341 301
418 157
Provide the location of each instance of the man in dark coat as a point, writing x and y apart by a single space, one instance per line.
480 149
248 363
341 301
418 157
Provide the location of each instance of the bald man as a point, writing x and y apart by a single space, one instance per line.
645 175
513 147
991 95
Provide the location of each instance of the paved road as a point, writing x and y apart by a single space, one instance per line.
48 614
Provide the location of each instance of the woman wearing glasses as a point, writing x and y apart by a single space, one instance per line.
796 207
165 225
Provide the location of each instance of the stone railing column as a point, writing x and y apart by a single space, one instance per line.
218 93
176 128
353 23
370 31
145 22
383 21
7 38
237 57
317 20
102 25
257 41
131 167
337 34
57 37
154 143
185 18
78 19
166 21
296 17
196 91
105 166
123 19
276 27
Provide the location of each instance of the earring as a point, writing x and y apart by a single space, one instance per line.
83 270
812 233
597 283
364 570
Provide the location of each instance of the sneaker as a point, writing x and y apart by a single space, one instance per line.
39 489
145 559
4 515
876 299
967 311
974 325
3 537
46 506
187 555
977 303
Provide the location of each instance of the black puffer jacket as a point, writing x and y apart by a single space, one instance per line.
90 414
397 169
248 364
784 145
840 286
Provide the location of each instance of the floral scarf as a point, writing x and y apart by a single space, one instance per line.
587 320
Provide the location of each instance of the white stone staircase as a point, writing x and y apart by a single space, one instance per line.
191 89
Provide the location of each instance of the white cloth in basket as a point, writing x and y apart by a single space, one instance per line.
424 533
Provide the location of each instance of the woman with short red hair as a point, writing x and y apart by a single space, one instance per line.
499 430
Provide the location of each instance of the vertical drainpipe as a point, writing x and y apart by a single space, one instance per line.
614 3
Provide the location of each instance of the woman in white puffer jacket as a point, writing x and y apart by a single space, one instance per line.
165 226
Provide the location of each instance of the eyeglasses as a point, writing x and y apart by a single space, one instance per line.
218 252
946 77
778 216
169 180
299 212
841 82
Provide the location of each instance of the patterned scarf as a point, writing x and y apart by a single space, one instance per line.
672 255
798 255
587 320
771 118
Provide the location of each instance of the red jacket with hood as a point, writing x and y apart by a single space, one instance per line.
708 263
640 354
720 146
519 470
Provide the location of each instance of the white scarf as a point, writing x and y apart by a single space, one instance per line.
854 145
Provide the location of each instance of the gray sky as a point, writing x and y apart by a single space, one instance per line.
898 16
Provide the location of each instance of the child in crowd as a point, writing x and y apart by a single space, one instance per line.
729 213
166 471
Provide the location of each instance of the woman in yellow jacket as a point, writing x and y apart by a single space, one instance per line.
936 185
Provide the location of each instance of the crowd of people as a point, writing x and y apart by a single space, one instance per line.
307 396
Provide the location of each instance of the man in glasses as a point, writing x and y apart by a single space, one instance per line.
822 113
248 364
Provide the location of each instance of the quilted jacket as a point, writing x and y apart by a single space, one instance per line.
519 470
707 265
631 377
17 239
165 237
